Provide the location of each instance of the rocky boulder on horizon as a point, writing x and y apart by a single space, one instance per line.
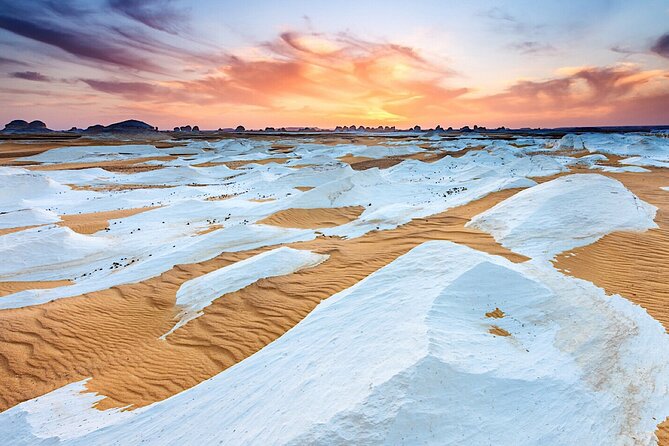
128 126
21 126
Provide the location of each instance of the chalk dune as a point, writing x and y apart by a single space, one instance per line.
233 243
633 264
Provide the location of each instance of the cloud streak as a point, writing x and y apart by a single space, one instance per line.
30 76
9 61
339 79
160 15
140 56
79 44
588 95
661 46
533 47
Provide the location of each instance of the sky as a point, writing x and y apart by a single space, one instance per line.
214 64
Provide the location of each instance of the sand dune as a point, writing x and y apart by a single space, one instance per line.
313 218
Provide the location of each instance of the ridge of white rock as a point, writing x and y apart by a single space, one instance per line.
27 217
98 263
564 213
406 357
196 294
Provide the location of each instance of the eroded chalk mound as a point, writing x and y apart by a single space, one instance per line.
409 356
565 213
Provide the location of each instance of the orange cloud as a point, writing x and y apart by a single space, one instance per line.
315 79
586 96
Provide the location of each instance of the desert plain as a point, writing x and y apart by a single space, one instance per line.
329 288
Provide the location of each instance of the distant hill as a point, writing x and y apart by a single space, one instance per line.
21 126
128 126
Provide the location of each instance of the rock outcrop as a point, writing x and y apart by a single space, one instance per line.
21 126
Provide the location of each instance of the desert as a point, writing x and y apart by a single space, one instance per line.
518 275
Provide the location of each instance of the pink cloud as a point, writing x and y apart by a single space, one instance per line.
325 80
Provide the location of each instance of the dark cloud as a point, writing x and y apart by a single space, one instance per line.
533 47
504 21
157 14
78 43
139 91
65 8
30 76
661 46
8 61
623 50
135 90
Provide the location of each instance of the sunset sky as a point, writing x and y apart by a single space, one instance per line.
327 63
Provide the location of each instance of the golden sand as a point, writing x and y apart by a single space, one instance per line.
364 163
209 229
497 331
97 221
303 188
282 148
112 335
381 163
662 433
220 197
496 313
632 264
119 166
20 228
118 187
242 163
313 218
7 288
209 164
350 159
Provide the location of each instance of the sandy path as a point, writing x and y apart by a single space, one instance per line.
112 335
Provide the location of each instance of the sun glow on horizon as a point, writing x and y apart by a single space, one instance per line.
482 64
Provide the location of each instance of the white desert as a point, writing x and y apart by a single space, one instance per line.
369 288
